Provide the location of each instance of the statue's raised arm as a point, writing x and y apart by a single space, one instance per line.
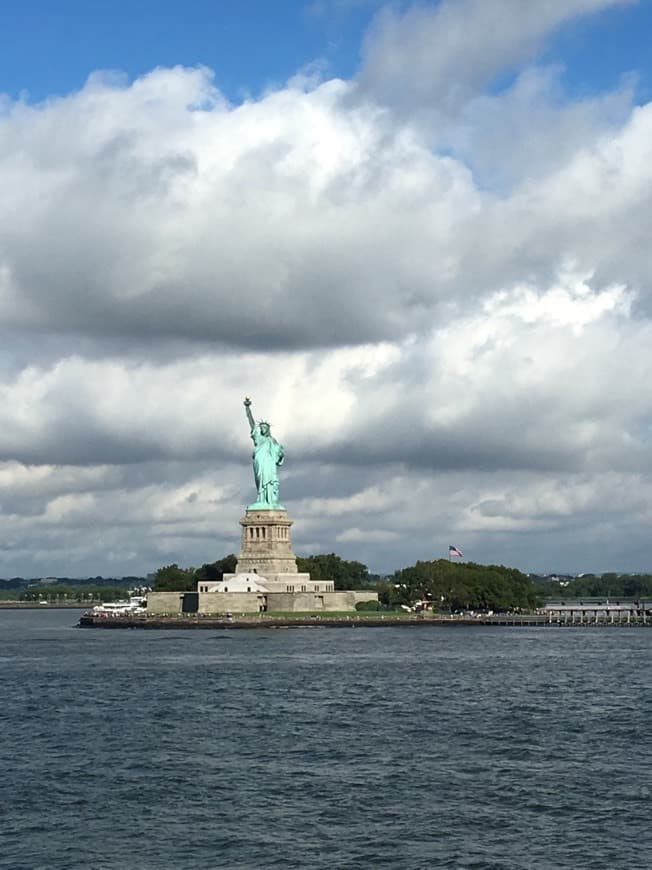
267 456
247 404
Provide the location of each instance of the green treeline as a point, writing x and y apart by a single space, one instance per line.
608 585
66 593
172 578
345 574
460 586
82 589
342 572
448 585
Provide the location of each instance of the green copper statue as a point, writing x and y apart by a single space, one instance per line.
267 456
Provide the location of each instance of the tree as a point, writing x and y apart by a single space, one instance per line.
171 578
465 586
216 570
332 568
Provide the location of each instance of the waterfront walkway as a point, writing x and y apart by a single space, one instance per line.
195 621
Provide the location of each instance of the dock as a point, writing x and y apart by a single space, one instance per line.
263 621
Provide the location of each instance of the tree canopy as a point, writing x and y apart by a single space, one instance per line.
172 578
328 566
609 585
215 570
454 586
343 573
460 586
59 592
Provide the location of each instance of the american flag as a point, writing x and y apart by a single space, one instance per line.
455 551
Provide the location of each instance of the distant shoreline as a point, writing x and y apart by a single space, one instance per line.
34 605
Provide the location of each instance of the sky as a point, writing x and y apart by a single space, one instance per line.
416 234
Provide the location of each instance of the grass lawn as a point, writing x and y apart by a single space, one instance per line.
335 614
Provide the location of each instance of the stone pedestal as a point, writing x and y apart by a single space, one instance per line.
266 544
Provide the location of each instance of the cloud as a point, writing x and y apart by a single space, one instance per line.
162 212
529 129
448 328
439 55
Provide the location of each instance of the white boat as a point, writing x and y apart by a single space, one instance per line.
131 607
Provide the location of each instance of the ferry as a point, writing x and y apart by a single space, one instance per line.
134 606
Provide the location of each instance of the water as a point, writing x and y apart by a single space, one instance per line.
323 748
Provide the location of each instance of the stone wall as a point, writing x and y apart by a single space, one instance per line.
231 602
159 603
298 602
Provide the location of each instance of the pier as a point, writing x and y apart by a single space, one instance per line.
197 621
597 612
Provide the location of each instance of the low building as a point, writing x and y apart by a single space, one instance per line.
251 593
254 582
593 609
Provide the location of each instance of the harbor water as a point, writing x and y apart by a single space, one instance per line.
454 747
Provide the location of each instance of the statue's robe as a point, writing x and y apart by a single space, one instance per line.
267 456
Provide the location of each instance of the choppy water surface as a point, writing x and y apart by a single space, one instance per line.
325 748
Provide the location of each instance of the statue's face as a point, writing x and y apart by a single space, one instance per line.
264 429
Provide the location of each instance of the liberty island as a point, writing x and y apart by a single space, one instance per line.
266 578
267 588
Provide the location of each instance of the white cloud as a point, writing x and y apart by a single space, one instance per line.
257 225
439 55
441 355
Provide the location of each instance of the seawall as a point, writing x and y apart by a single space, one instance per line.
264 622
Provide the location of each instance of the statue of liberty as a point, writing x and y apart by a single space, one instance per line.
267 456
